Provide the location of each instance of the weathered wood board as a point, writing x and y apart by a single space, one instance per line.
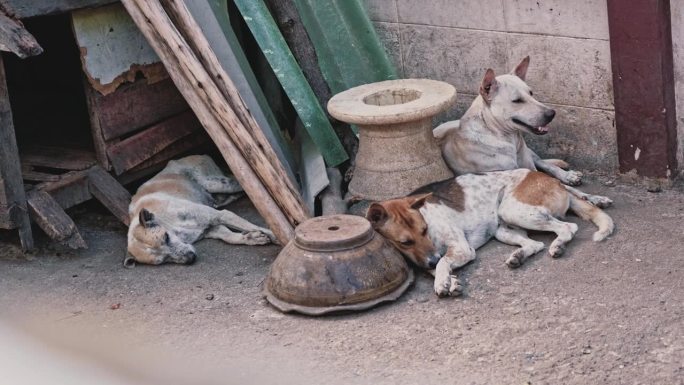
16 39
52 219
140 147
29 8
110 193
12 196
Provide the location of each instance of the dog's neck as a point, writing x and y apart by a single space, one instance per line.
480 112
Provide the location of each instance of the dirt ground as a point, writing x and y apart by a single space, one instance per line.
606 313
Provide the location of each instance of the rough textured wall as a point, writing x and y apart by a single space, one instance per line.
677 9
456 41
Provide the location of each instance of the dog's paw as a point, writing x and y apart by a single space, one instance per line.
600 201
450 286
256 237
515 259
456 288
573 178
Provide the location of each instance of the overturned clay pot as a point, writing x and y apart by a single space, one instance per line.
397 151
336 263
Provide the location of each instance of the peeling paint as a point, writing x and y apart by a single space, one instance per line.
113 50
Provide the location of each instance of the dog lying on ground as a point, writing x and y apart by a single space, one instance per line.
441 225
176 208
489 136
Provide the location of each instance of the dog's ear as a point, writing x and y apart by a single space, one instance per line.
146 218
129 261
521 69
418 201
376 215
489 85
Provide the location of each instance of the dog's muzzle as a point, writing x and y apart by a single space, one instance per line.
191 258
433 260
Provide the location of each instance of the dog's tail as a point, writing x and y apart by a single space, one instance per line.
558 163
589 212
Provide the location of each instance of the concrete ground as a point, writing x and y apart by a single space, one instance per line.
606 313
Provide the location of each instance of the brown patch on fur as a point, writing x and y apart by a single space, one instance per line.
539 189
448 192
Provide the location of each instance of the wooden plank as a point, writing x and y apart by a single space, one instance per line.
140 147
37 176
110 193
57 157
12 191
175 149
29 8
16 39
643 85
50 216
189 144
136 105
71 189
99 142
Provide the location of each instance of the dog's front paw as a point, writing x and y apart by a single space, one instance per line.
450 286
256 237
600 201
573 178
515 260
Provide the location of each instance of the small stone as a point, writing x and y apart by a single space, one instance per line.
422 299
586 351
209 297
115 306
74 276
239 274
609 183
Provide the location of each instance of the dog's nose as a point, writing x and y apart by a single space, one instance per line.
191 259
433 260
550 114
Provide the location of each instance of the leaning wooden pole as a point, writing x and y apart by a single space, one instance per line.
277 184
168 47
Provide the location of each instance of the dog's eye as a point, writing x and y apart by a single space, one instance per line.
408 242
531 94
518 100
167 240
424 231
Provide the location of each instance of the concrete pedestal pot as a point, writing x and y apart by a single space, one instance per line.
397 152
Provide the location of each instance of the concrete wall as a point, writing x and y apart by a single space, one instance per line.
677 9
456 40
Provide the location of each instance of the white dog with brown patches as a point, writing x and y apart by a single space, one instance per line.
179 206
489 136
441 225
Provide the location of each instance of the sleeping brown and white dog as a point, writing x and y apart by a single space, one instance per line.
179 206
489 136
440 226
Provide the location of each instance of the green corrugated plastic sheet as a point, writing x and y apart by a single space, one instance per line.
348 48
288 72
